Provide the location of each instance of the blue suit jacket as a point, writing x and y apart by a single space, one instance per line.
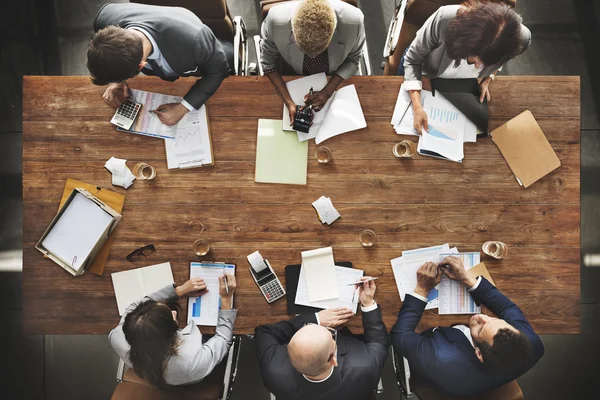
444 357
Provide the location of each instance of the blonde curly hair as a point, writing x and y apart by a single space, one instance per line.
313 25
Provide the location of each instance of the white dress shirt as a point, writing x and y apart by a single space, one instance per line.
161 61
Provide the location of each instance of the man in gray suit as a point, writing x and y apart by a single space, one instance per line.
169 42
312 36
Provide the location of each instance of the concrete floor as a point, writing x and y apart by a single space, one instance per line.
50 37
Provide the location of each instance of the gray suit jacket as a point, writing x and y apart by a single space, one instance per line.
427 53
194 360
344 51
189 46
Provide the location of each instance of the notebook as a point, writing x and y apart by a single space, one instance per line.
525 149
318 268
133 285
342 113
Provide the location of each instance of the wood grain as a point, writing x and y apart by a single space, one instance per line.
409 203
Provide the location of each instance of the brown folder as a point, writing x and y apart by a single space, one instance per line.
525 149
112 199
481 270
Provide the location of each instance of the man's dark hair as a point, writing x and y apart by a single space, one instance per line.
489 30
510 352
114 55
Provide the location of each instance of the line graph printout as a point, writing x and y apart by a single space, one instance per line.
191 147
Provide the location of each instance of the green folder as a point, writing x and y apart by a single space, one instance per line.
280 157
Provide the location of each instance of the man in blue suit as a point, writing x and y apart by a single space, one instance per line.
465 360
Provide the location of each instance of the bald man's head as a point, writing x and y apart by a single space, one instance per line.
310 350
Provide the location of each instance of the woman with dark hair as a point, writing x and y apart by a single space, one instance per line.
471 40
148 338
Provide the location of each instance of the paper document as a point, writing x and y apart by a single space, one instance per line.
454 297
280 158
204 310
343 115
319 269
402 118
347 298
192 146
133 285
325 210
445 137
77 231
148 124
121 174
405 271
257 262
299 88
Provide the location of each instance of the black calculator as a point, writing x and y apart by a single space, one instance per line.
268 283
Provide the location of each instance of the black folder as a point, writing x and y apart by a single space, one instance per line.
464 95
292 275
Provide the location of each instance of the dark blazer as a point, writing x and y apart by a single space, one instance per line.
189 46
355 377
444 357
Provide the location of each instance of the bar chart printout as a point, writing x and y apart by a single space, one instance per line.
204 310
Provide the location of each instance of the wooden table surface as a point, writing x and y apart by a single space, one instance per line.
408 203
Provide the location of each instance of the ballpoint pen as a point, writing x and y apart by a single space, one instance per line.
226 285
365 281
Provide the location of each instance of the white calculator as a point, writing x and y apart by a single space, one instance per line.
265 278
126 114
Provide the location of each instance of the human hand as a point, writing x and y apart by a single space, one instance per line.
116 93
170 114
427 277
193 287
226 293
317 99
454 269
420 120
366 292
334 317
484 89
292 110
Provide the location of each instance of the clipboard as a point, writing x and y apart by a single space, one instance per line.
525 148
113 200
197 162
292 275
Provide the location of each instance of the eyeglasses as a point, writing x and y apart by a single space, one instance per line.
334 336
142 251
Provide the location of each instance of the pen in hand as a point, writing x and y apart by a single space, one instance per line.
226 285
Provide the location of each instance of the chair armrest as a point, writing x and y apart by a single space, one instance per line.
231 368
394 31
257 40
240 47
120 370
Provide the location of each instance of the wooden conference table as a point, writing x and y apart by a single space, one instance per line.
410 203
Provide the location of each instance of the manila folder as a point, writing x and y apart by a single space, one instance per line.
525 148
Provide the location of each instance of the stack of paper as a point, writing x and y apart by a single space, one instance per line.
448 128
342 113
405 270
325 210
453 296
348 297
121 174
131 286
321 278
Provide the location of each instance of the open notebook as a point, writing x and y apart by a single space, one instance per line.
342 113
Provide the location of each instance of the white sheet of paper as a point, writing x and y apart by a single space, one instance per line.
345 114
77 231
345 276
321 278
404 126
131 286
405 270
257 262
299 88
327 212
191 147
454 297
204 310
